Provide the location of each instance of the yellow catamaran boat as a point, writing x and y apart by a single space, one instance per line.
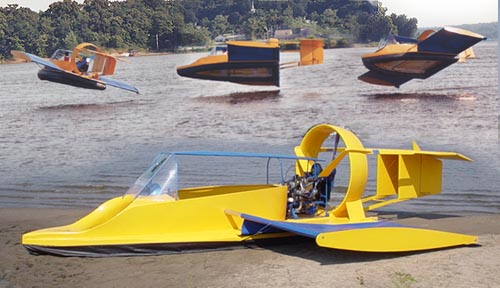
155 216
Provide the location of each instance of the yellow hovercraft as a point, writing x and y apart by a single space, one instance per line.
250 62
84 67
157 217
401 59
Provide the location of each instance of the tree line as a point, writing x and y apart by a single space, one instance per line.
166 25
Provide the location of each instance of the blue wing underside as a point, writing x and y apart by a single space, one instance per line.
119 84
255 225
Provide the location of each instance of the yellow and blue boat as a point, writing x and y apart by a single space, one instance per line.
401 59
155 216
249 62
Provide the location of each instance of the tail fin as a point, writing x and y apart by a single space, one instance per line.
311 51
449 40
406 174
104 64
466 54
424 35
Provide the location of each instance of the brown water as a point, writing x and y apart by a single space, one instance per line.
65 147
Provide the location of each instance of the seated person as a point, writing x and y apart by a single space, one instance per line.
83 64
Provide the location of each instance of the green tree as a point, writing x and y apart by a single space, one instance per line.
21 29
190 34
255 27
406 27
378 27
100 16
136 22
3 26
329 19
219 25
162 28
165 25
70 40
62 19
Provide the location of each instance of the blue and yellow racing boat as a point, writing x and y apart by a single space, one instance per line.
400 59
156 216
250 62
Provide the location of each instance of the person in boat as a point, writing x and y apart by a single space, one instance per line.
66 56
83 64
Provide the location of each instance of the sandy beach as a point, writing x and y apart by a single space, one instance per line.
292 265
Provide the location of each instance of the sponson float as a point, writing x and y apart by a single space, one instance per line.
155 216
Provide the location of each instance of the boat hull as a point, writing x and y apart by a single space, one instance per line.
265 73
63 77
414 65
99 251
399 68
149 225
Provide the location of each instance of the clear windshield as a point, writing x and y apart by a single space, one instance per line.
393 39
386 41
160 178
61 54
218 50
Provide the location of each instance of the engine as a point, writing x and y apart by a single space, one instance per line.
307 193
302 196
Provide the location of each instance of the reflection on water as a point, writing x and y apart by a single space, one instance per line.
66 146
86 106
422 96
242 97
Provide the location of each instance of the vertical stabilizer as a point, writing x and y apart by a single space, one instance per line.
311 52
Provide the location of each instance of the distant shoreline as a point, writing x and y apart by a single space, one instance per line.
142 54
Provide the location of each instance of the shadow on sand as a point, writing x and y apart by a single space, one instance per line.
307 248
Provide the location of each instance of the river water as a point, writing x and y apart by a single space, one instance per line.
69 147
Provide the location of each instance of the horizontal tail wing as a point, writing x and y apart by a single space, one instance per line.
377 78
33 58
449 40
119 84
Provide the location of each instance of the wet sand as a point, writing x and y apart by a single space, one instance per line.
293 265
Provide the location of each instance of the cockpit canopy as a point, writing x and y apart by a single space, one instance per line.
61 54
394 39
159 179
218 50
